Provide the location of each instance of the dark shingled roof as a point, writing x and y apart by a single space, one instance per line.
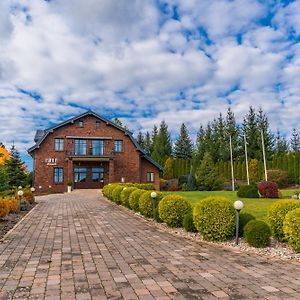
42 134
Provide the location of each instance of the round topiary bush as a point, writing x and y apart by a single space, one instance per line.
125 195
268 189
214 218
116 194
188 223
291 229
28 196
172 209
277 213
145 203
257 234
106 189
110 190
248 191
134 199
4 208
244 219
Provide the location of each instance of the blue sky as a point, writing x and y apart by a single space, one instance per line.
146 61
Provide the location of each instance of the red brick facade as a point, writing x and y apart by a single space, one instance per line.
130 164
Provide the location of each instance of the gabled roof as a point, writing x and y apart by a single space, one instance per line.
41 135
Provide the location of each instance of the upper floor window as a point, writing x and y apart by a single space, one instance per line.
118 146
97 147
80 123
58 175
150 177
80 147
97 124
58 144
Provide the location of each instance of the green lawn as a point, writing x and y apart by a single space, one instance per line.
256 207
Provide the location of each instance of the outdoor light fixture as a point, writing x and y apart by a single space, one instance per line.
32 189
153 196
238 205
19 187
20 194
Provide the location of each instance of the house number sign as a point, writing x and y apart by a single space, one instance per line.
51 161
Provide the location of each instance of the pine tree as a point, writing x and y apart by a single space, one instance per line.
3 179
162 146
169 168
295 141
147 143
231 129
191 182
184 145
206 175
154 136
200 146
141 140
14 169
281 145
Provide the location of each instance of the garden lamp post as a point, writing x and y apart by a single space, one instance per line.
32 189
20 194
153 196
238 205
19 187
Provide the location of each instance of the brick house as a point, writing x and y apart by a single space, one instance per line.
89 151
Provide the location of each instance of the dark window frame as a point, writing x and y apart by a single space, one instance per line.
77 142
59 143
150 177
59 176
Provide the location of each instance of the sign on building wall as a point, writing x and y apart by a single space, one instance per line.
51 161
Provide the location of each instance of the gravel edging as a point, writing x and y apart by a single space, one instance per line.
277 249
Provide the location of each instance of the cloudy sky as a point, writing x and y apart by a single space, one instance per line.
145 61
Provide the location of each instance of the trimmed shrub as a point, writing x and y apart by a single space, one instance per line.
106 189
248 191
28 196
145 203
156 215
188 223
125 195
134 199
13 204
145 186
214 218
277 213
257 234
172 209
244 219
4 208
291 229
279 176
110 190
116 194
268 189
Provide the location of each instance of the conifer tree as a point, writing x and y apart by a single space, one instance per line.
14 169
191 182
281 145
200 145
154 136
162 146
295 141
184 145
141 140
169 168
147 143
231 129
118 122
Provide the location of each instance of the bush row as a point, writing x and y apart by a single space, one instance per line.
213 217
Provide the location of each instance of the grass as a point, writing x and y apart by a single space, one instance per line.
257 207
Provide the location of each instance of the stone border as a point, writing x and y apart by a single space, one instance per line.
17 224
228 245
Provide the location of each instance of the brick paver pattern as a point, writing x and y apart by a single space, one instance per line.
81 246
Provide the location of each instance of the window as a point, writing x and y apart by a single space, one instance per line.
58 175
150 177
97 124
118 146
58 144
97 147
80 147
80 123
97 174
80 174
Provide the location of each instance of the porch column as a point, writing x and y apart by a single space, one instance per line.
111 171
70 171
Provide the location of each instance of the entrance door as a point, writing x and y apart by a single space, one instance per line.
90 177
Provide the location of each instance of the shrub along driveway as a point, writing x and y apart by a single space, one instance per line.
81 246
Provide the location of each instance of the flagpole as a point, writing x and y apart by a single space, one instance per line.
231 160
246 156
264 154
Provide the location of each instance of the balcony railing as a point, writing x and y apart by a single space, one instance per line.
91 152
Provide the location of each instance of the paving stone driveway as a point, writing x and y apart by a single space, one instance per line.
80 246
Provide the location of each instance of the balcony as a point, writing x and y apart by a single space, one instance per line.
91 153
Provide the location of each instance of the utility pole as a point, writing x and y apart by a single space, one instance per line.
231 160
246 156
264 154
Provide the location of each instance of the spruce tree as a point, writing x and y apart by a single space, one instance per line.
231 129
184 145
141 140
191 182
206 175
169 168
295 141
162 145
14 169
200 145
281 145
3 179
154 136
147 143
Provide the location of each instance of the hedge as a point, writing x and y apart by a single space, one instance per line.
145 203
4 208
134 199
257 234
248 191
277 213
214 218
116 194
125 194
268 189
291 229
172 209
188 223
